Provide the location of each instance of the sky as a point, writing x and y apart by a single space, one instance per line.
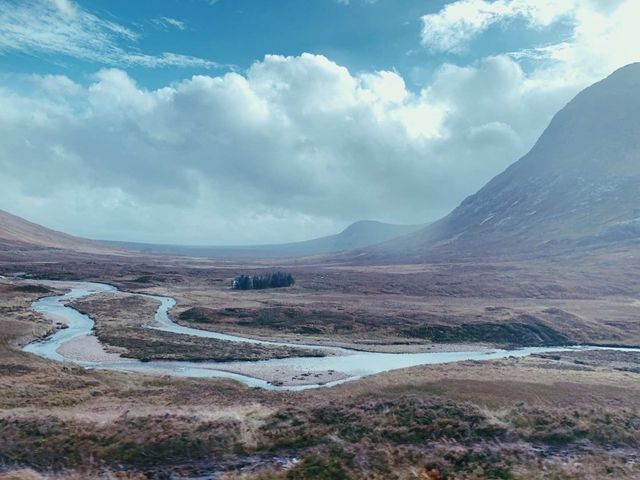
219 122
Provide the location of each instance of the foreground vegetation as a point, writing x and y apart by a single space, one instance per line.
391 435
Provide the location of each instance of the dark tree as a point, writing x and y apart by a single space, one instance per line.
261 282
243 282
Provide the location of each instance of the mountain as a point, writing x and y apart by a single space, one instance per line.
579 186
357 235
19 234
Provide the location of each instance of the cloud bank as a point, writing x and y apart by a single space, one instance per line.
297 141
292 148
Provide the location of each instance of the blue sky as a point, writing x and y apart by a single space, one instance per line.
361 35
147 120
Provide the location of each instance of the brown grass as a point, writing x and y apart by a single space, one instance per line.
120 324
558 417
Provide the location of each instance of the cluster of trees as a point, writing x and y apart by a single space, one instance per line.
260 282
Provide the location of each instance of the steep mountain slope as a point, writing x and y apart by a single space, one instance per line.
357 235
19 234
578 186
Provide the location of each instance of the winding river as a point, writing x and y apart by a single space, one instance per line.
342 363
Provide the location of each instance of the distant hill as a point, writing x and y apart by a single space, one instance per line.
19 234
357 235
579 186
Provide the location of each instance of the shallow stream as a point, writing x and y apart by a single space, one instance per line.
346 364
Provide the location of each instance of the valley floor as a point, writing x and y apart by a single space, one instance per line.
565 416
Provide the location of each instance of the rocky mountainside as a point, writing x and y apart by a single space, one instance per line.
578 186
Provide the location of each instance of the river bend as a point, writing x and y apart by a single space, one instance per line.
347 364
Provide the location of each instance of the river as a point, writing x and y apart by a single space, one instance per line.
342 363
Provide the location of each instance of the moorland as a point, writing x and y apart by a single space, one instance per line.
564 415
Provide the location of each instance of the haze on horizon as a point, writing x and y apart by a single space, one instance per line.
238 122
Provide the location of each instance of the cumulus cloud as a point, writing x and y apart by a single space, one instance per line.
457 23
602 35
296 147
61 27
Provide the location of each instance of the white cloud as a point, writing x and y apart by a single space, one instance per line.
348 2
166 23
296 147
166 59
459 22
602 40
56 84
61 27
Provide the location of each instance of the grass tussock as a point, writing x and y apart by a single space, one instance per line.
53 443
408 437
